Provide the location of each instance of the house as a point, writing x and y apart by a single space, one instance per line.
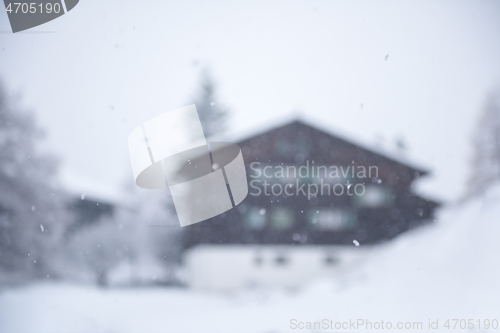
91 202
88 211
313 198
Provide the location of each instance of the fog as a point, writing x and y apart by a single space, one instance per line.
378 71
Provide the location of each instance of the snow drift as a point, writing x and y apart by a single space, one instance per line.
448 270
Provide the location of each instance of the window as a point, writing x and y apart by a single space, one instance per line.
257 260
282 260
255 218
374 196
256 172
331 260
282 218
332 219
286 147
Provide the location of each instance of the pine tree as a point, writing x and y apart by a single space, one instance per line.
486 159
32 212
213 116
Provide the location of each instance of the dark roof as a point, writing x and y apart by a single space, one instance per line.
389 157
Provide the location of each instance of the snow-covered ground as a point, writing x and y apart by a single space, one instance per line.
450 270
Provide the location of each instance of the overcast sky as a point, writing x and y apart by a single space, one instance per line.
99 71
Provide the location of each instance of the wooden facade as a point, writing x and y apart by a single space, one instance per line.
386 208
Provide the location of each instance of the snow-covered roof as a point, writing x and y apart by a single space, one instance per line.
80 185
85 187
245 134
